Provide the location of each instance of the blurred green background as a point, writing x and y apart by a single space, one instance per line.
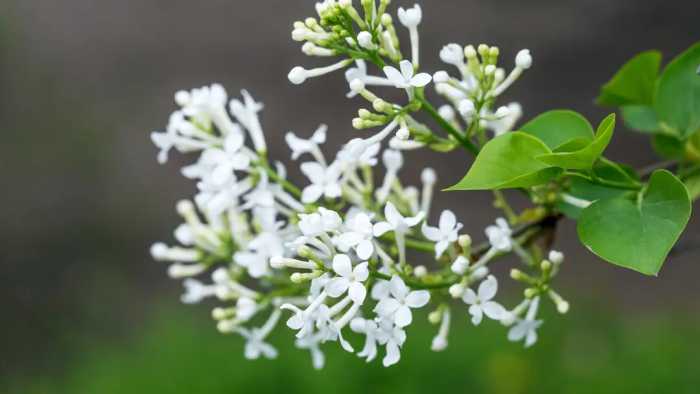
85 310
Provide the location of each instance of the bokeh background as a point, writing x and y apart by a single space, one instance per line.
85 310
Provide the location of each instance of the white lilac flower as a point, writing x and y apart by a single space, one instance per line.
453 54
445 234
526 329
349 280
255 339
439 342
358 235
380 332
246 113
395 221
370 329
405 78
507 123
396 306
300 146
228 159
482 303
196 291
207 104
317 223
411 18
325 182
499 235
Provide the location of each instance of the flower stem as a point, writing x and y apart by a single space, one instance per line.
464 141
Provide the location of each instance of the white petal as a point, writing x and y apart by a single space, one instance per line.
345 241
398 288
365 249
361 273
394 76
386 307
381 228
494 310
440 248
448 220
357 292
403 316
393 354
392 214
418 298
477 314
314 171
337 287
432 233
311 194
421 80
470 297
517 332
406 69
410 222
333 190
233 142
488 288
342 265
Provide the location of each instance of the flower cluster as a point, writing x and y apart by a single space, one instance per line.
332 257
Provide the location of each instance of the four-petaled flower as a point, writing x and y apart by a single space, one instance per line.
359 236
500 235
325 181
482 303
410 17
349 279
395 221
405 79
526 329
397 304
445 234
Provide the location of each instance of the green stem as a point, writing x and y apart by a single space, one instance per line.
605 182
288 186
464 141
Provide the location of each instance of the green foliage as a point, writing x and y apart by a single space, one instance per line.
558 127
638 233
677 101
583 158
595 350
508 161
634 84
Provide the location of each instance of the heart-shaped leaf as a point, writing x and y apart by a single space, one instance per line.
641 118
556 128
583 158
508 161
638 233
635 83
677 101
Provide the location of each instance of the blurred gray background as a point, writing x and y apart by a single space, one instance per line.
82 83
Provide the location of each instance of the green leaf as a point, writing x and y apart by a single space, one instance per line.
508 161
641 118
693 186
677 101
638 233
635 82
583 158
584 189
558 127
668 147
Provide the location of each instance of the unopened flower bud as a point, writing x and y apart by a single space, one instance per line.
357 85
403 134
490 69
457 290
480 273
447 112
420 271
460 265
365 40
464 241
556 257
523 59
502 112
441 77
297 76
428 176
435 316
466 107
530 292
470 52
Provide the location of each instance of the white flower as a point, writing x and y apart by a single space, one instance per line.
371 331
323 221
482 303
500 236
381 332
245 308
349 279
397 306
410 17
255 345
445 234
527 328
523 59
359 235
228 159
196 291
453 54
300 146
507 123
395 221
460 265
405 79
325 181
